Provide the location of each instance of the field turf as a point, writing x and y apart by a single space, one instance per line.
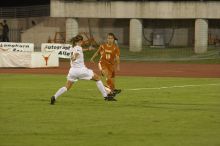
149 111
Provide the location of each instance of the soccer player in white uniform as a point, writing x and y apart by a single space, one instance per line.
78 71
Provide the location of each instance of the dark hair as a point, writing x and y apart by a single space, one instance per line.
4 21
76 39
112 34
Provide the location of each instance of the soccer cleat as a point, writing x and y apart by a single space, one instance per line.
117 91
112 94
52 100
109 98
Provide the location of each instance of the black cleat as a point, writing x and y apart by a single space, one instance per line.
117 91
52 100
110 98
112 94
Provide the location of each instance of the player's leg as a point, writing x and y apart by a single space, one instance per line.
99 84
71 78
116 91
61 91
102 88
103 67
104 72
110 83
109 77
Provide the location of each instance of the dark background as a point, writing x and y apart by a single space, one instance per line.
12 3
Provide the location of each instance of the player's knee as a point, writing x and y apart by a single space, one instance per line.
68 88
105 72
96 77
68 85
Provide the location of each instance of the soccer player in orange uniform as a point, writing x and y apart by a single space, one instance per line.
109 60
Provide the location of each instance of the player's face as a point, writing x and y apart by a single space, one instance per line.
81 42
110 39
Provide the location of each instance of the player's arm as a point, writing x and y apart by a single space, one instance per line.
88 49
95 55
74 56
118 63
117 60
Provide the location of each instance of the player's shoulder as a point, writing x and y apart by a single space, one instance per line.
77 48
115 47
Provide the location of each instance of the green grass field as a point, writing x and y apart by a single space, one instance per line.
149 112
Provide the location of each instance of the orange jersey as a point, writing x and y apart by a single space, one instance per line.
109 53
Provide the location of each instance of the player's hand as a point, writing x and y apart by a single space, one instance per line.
91 48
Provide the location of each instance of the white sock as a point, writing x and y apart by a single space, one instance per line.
101 88
60 91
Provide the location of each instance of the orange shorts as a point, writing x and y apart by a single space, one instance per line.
107 67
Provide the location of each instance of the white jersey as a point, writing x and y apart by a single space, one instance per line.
79 62
78 69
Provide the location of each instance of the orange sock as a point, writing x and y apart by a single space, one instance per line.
110 83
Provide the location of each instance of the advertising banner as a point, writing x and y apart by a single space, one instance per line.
63 50
17 47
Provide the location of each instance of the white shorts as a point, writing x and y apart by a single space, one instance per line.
79 73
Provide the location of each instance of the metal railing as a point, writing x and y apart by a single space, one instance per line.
26 11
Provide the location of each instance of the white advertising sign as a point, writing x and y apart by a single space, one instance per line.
44 59
63 50
29 59
17 47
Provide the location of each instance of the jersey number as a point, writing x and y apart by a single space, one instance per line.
107 56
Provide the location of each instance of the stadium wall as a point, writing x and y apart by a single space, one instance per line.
44 31
136 9
17 26
176 32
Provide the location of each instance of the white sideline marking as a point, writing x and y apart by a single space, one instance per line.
182 86
134 89
168 87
